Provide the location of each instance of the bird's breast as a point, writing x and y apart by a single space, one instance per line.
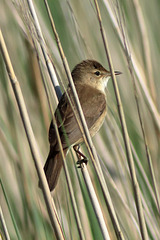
93 102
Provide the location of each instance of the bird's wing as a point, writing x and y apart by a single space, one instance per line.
93 104
60 115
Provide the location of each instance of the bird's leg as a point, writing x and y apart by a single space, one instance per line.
81 157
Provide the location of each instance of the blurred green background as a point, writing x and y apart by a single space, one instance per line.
78 29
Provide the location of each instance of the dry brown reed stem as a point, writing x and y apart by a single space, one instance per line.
32 142
68 180
86 135
135 184
95 203
59 94
145 139
146 48
4 227
39 85
138 71
93 195
10 211
128 56
49 64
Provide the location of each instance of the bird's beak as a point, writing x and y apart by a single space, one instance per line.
117 72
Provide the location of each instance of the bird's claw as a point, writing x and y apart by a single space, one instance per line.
81 157
81 161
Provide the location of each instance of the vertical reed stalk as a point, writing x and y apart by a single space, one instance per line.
124 131
32 142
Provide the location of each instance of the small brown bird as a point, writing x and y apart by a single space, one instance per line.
90 79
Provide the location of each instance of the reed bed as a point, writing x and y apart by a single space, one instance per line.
116 195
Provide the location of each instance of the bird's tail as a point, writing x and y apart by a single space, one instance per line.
52 167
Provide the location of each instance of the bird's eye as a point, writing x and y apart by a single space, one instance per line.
97 73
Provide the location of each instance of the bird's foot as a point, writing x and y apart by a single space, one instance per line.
81 157
81 161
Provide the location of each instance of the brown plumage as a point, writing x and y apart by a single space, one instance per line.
89 78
